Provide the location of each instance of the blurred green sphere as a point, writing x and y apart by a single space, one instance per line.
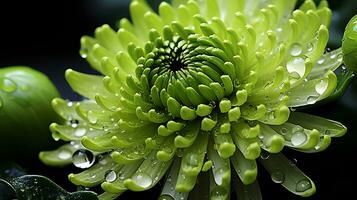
349 45
25 112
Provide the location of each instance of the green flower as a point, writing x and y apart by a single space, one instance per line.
200 91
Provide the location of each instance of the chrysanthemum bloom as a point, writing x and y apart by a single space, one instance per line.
203 90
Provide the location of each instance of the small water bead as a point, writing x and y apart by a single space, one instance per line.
142 179
218 175
83 158
64 154
8 85
76 145
192 160
74 123
293 162
219 193
110 176
310 46
321 61
179 153
283 131
83 52
333 55
344 69
103 161
340 57
303 185
121 175
311 99
70 104
91 117
295 49
298 138
105 128
296 67
56 136
278 176
79 132
327 132
321 87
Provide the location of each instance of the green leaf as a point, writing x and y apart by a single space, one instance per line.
40 187
8 170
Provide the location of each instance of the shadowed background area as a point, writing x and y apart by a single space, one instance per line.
45 35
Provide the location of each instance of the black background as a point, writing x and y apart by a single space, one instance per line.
45 35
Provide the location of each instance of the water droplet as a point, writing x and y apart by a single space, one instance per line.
105 128
296 67
192 160
283 131
142 180
70 104
279 29
310 46
83 158
74 123
79 132
64 154
321 87
333 56
311 99
8 85
264 155
321 61
219 193
110 176
56 136
103 161
295 49
298 138
327 132
83 52
293 161
218 175
91 117
340 57
179 152
277 176
303 185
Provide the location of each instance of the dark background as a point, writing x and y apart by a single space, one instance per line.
45 35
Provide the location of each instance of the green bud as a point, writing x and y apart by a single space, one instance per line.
349 44
25 111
